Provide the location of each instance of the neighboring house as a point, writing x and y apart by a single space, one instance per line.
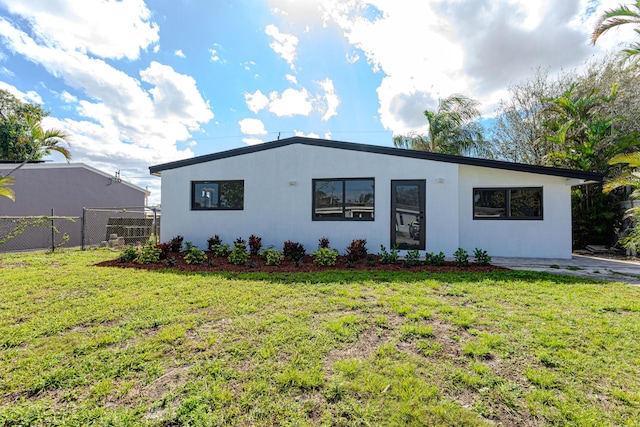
302 189
67 189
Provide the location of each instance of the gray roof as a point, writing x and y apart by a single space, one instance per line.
390 151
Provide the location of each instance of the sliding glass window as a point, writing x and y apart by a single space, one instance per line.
349 199
507 203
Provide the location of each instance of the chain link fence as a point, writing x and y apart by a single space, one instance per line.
120 226
96 227
23 233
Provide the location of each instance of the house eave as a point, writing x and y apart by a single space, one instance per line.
375 149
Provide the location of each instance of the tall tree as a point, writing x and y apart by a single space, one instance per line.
453 129
43 141
629 177
23 139
518 133
622 15
582 129
14 128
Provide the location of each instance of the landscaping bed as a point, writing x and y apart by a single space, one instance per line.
256 263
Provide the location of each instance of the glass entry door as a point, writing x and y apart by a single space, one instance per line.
407 214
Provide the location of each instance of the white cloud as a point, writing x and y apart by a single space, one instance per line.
283 44
252 141
214 55
256 101
252 127
6 71
291 79
68 98
474 47
123 126
109 29
31 96
292 102
331 100
352 57
308 135
176 97
327 135
179 53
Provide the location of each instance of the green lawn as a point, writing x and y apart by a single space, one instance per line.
82 345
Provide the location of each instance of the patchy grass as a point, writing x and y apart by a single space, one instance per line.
82 345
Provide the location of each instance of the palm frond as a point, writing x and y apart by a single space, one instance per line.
5 191
614 18
631 159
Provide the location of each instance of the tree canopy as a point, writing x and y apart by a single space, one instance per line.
22 138
453 129
15 128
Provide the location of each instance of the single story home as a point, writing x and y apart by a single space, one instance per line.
302 189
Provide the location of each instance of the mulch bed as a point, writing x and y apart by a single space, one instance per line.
257 264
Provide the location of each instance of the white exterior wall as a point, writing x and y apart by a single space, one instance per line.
547 238
277 211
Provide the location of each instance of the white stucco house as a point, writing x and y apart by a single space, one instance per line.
302 189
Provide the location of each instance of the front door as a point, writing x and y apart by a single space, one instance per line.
407 214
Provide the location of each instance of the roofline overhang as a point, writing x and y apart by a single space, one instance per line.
376 149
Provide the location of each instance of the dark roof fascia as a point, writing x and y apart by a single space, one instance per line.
16 162
391 151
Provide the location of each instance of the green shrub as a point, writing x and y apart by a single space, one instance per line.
431 258
460 257
194 255
175 244
239 254
128 254
272 256
482 258
213 242
221 250
388 257
164 250
412 258
148 254
325 257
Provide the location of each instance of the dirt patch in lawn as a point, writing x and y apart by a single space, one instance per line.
255 263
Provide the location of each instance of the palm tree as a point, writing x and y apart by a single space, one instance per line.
629 177
613 18
452 130
41 143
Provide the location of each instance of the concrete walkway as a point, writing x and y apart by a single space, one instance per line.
580 265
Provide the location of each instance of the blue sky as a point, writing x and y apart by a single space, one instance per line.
141 83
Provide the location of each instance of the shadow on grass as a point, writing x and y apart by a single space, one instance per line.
348 277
